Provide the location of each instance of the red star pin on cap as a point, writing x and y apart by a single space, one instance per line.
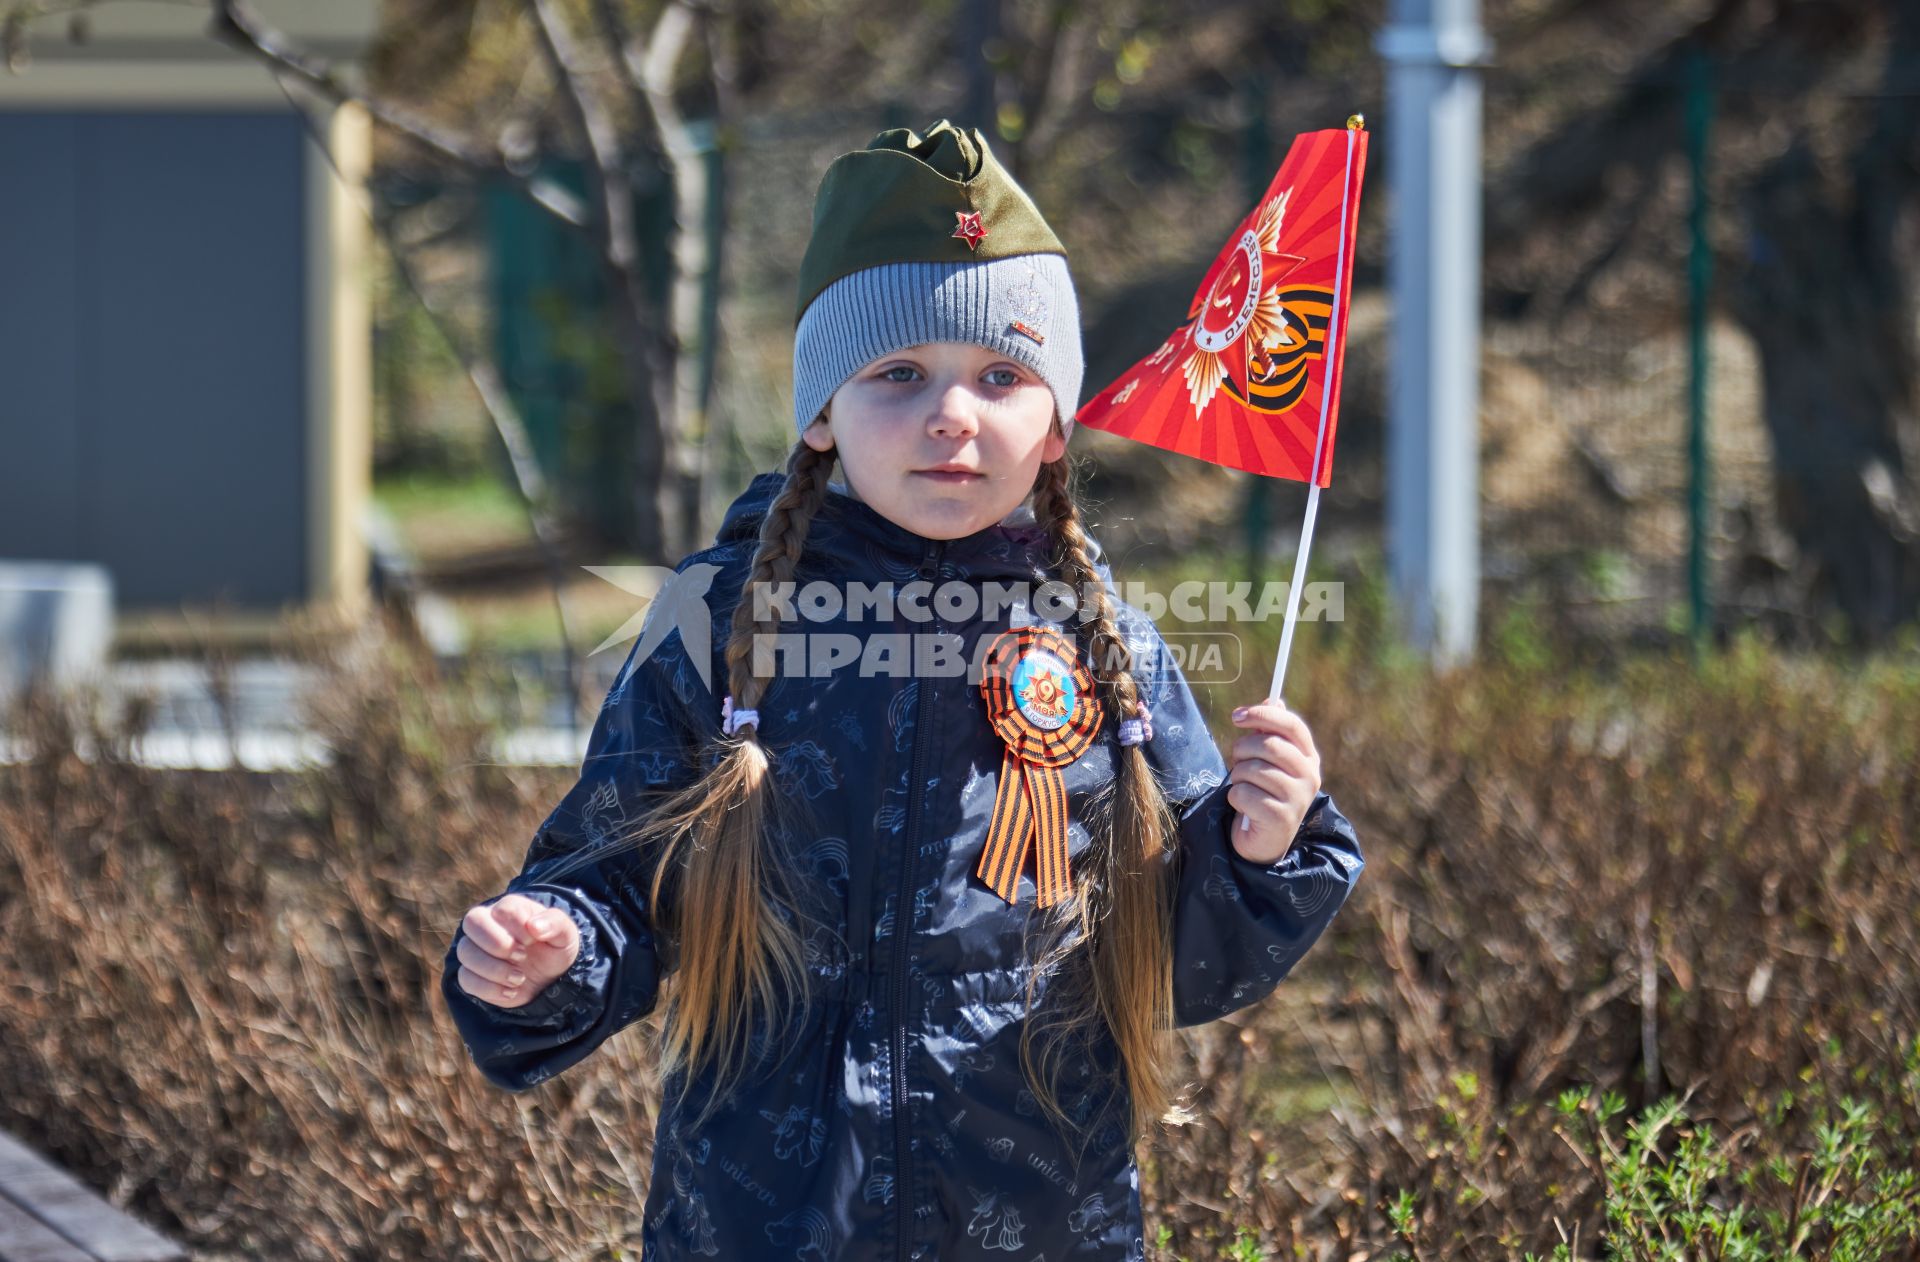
969 229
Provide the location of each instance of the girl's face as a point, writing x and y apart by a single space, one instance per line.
943 439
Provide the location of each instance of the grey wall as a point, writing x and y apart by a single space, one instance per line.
153 410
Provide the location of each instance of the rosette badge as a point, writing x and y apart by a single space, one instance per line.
1040 700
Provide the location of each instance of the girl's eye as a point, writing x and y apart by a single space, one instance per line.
1010 377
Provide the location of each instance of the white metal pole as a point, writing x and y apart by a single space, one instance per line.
1433 49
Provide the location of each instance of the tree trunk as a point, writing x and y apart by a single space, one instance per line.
647 360
1821 281
1826 294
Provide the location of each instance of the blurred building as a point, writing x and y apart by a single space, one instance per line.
184 319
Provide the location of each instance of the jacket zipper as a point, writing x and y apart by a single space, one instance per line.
902 926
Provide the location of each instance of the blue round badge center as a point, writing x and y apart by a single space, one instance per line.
1043 689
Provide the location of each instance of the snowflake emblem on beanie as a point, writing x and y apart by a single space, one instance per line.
1026 307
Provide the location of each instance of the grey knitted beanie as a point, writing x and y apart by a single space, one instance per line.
928 239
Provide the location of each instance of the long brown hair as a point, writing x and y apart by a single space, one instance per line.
714 850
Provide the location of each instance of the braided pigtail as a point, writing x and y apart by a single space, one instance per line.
718 887
1122 905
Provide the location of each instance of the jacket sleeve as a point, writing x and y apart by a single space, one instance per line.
1239 927
644 743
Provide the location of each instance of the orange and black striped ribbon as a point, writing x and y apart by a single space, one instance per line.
1030 805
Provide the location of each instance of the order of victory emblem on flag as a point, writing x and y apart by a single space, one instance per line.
1251 380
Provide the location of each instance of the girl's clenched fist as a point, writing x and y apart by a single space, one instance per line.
513 948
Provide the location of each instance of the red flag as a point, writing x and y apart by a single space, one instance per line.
1250 376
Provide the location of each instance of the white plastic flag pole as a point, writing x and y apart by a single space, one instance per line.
1293 603
1293 596
1319 438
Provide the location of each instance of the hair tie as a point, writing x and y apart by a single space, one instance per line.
1134 731
732 720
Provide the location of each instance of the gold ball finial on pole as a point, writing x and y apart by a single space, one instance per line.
1356 122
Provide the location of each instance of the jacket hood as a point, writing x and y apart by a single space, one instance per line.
857 536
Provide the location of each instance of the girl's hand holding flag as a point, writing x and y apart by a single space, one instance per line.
1275 774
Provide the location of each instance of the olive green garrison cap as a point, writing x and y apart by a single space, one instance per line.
940 197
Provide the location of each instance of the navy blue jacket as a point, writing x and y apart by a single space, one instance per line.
897 1123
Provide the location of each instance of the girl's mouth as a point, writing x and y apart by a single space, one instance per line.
948 475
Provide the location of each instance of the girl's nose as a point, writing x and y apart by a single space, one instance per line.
958 415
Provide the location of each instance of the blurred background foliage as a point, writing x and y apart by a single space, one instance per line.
1146 130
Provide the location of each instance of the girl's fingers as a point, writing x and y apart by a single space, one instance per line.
494 993
1272 780
1277 750
1272 716
502 973
1256 803
1252 801
530 921
483 928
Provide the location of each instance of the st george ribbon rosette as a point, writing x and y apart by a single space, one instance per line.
1041 702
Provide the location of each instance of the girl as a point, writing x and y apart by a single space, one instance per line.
926 889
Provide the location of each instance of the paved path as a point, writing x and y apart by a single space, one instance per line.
186 731
47 1215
